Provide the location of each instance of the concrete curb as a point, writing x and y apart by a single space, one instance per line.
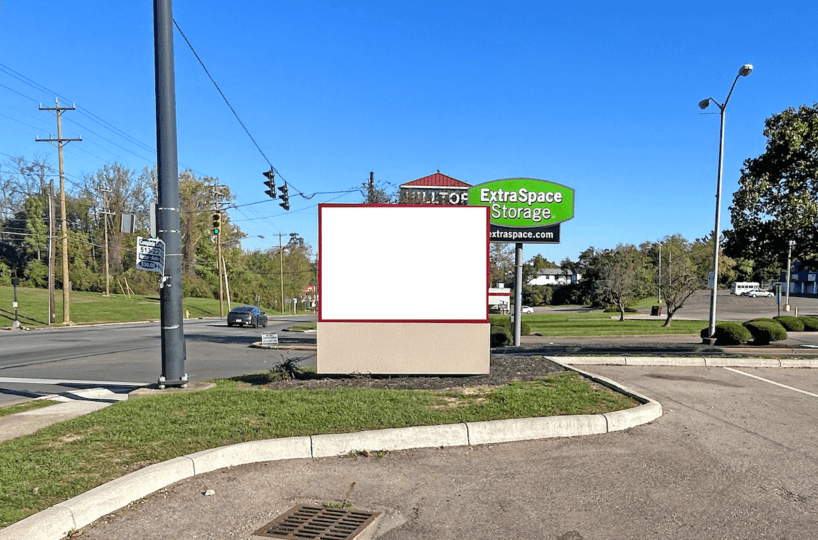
54 523
685 361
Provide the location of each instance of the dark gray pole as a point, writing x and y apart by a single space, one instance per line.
518 293
168 224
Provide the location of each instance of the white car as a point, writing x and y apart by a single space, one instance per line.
526 309
755 293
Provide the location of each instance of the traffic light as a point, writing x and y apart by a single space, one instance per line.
270 183
217 222
285 197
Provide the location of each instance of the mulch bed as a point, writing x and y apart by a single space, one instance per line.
504 370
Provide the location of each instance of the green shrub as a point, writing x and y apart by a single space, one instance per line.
729 333
810 323
501 336
614 309
500 320
765 331
790 323
504 321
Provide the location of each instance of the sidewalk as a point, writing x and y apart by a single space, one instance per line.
71 404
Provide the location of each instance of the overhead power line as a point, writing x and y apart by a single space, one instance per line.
244 127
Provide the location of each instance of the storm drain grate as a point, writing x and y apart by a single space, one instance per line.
316 522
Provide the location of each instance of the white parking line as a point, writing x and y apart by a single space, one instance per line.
773 382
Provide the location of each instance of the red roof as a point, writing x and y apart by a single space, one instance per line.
437 180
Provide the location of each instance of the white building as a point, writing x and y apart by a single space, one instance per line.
555 276
500 298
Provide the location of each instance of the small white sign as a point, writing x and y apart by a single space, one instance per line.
150 254
269 339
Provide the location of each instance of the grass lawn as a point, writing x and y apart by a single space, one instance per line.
27 406
66 459
94 308
304 326
596 323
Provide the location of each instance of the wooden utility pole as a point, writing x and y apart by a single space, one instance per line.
52 247
66 281
281 266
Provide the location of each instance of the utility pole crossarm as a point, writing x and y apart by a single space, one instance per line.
66 285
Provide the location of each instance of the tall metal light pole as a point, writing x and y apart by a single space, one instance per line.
789 266
167 214
745 70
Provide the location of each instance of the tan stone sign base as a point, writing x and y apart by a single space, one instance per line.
403 348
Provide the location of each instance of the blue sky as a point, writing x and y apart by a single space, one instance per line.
598 96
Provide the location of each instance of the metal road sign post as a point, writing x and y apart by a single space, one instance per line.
168 221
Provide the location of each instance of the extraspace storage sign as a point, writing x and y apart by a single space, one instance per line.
524 210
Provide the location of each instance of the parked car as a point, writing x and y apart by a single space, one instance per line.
526 309
249 315
755 293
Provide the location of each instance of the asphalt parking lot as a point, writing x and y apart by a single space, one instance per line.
732 457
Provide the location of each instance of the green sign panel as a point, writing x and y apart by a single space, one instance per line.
524 209
524 202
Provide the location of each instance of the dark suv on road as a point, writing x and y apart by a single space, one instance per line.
249 315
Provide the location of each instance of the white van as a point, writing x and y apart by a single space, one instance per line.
740 287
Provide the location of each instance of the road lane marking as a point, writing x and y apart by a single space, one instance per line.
16 380
773 382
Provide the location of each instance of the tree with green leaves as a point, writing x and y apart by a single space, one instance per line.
682 273
121 191
777 198
623 275
501 263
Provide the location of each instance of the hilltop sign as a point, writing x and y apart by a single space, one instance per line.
524 209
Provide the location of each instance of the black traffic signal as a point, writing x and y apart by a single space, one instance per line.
217 222
285 197
270 183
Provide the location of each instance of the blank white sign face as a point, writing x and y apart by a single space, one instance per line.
403 263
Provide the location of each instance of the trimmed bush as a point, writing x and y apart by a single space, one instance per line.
500 320
729 333
765 331
614 309
810 323
500 336
504 321
790 323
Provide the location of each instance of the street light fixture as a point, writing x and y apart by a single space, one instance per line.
745 70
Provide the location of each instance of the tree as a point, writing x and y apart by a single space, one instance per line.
681 277
623 276
777 198
125 193
501 263
376 192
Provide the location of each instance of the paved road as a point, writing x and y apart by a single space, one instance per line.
733 457
75 357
